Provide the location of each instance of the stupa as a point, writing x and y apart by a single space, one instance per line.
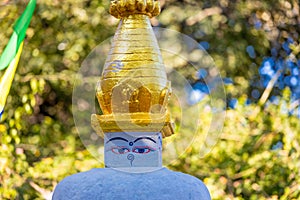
133 94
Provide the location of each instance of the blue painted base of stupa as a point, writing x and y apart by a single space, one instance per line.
110 184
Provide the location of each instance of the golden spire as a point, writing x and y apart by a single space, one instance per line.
124 8
133 90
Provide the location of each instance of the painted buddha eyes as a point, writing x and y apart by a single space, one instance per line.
120 150
139 150
142 150
134 149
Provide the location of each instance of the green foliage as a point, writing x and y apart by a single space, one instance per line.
257 156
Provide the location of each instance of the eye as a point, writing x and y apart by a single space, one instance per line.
142 150
120 150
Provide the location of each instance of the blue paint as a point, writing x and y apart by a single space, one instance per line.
122 150
141 150
130 157
160 140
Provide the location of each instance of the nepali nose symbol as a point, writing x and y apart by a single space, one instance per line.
131 158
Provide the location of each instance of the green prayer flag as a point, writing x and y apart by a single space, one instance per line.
18 35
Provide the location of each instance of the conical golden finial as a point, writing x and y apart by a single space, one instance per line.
133 90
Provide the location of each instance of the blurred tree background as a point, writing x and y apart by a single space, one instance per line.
255 45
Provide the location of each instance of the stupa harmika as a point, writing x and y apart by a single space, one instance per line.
133 94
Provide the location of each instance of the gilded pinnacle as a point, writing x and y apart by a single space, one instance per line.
133 91
124 8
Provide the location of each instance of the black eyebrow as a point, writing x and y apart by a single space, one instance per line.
140 138
116 138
